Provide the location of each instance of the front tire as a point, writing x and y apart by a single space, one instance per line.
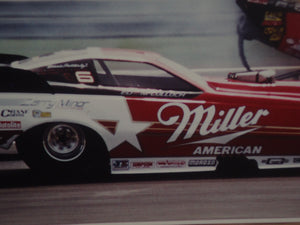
63 149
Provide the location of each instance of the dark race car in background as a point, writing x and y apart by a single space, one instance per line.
127 111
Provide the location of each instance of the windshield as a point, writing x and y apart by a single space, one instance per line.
183 71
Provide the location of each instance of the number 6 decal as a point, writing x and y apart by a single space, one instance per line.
84 77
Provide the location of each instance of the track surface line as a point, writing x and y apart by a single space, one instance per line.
281 221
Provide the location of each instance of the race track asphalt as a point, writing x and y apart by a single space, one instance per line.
29 199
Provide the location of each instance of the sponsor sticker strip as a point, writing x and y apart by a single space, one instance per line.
194 164
152 165
265 162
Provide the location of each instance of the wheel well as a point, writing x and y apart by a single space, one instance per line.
87 130
96 158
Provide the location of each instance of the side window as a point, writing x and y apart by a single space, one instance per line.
143 75
103 76
68 72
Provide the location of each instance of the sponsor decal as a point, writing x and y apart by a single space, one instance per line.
63 104
10 125
170 163
13 112
273 26
208 119
120 165
275 161
296 160
48 104
71 104
155 93
40 114
227 150
202 162
68 65
84 77
286 4
142 165
273 19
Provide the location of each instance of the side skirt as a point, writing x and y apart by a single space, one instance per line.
277 162
192 164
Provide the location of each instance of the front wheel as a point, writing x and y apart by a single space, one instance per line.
64 149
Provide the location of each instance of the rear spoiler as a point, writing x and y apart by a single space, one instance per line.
9 58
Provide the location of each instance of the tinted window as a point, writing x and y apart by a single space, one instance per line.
142 75
68 72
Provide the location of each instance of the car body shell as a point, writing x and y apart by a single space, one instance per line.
152 130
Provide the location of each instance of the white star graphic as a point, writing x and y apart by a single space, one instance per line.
126 130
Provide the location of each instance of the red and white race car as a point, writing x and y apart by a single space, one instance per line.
127 111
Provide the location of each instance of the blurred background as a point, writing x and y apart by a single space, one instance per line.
199 34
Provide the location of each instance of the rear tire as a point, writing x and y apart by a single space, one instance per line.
63 149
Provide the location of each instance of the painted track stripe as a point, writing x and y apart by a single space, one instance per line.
281 221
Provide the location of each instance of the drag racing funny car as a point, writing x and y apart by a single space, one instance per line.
129 111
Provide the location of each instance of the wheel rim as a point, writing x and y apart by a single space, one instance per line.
64 142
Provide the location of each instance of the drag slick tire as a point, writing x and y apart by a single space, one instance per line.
63 149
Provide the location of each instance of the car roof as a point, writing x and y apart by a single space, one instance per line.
87 53
109 54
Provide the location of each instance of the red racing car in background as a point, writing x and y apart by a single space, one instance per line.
127 111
